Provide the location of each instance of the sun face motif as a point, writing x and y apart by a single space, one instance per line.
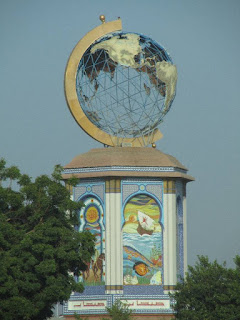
92 214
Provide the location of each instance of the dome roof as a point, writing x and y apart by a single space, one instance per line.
125 161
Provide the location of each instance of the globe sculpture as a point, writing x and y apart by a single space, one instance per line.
125 85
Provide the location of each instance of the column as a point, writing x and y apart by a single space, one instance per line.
185 228
170 239
114 254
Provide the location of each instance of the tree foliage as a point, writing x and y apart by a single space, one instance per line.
119 311
210 291
40 252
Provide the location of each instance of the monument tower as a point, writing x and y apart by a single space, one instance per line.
119 86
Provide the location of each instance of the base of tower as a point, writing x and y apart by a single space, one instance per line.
133 317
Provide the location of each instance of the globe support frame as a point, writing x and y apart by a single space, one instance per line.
72 98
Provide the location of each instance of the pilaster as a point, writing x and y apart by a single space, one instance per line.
170 240
114 263
185 228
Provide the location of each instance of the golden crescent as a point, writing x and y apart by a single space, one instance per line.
71 92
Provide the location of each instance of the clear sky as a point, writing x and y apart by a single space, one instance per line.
202 129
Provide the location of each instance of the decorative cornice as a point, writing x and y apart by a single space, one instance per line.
118 168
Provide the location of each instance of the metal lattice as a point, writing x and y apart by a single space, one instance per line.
123 101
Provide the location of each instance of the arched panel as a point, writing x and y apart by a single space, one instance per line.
91 218
142 241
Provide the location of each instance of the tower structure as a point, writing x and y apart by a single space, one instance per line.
119 86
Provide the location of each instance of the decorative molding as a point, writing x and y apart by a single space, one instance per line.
118 168
141 180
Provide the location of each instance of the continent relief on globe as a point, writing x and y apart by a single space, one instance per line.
127 51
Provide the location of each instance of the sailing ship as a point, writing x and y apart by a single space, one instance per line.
145 224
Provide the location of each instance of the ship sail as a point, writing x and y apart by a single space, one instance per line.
145 221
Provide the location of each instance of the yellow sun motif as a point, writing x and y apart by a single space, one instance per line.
92 214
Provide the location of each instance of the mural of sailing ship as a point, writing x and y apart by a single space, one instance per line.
142 242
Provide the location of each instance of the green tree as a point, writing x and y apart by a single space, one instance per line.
40 252
209 291
119 311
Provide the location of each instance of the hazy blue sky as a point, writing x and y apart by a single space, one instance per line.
202 129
